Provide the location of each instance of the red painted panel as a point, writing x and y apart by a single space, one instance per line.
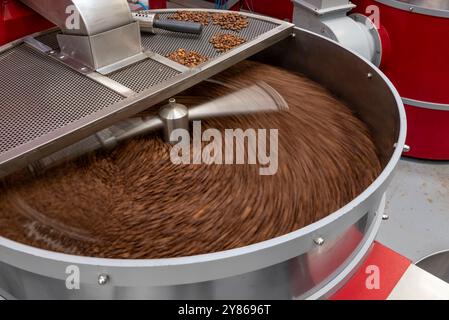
281 9
391 268
428 133
418 64
17 21
158 4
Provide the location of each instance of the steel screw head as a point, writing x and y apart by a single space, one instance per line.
406 149
369 75
319 241
385 217
103 279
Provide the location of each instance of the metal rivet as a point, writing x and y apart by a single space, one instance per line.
52 52
61 57
369 75
319 241
103 279
411 8
406 149
385 217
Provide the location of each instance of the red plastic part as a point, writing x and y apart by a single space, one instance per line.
391 267
17 21
281 9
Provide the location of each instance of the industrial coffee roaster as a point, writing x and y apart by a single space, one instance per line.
67 85
407 39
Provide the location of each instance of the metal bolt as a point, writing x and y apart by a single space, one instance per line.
52 52
406 148
385 217
103 279
319 241
61 57
369 75
83 69
411 8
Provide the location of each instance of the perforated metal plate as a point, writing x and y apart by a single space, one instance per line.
39 95
165 42
48 104
143 75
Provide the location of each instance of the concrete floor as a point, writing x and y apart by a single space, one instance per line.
418 206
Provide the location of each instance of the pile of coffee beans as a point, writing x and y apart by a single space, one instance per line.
225 41
192 16
189 59
230 21
226 20
135 203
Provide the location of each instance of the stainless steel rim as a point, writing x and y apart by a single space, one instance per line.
438 9
337 282
431 255
426 105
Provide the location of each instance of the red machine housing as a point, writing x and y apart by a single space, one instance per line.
418 65
235 7
17 21
158 4
281 9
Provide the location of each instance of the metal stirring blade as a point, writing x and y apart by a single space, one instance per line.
258 98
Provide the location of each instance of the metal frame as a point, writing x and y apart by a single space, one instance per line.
419 6
19 157
193 276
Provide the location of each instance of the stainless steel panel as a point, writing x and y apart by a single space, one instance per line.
109 50
94 16
436 264
295 278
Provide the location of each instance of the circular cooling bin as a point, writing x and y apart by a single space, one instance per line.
415 60
436 264
312 262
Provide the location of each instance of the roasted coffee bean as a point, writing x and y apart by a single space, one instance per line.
225 41
133 203
230 21
189 59
192 16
